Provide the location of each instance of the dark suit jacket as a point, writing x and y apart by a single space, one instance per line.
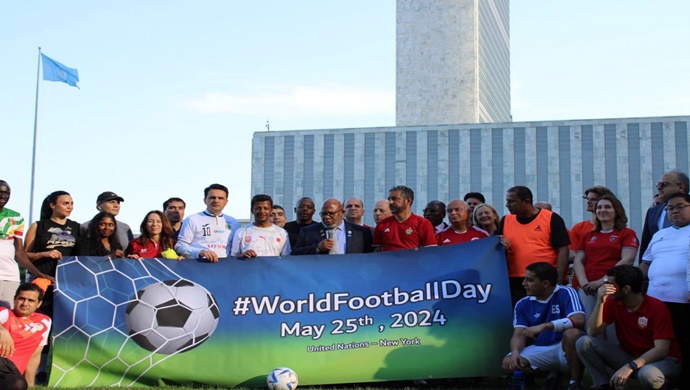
651 226
358 239
293 229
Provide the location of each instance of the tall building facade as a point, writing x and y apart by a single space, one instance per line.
557 160
453 62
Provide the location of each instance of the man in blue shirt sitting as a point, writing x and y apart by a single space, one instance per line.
547 322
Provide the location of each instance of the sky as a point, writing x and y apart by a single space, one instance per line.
172 92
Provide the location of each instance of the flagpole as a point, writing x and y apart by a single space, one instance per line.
33 154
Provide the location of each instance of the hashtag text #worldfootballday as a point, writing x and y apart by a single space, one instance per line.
333 302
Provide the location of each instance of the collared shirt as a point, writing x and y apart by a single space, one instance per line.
663 221
205 231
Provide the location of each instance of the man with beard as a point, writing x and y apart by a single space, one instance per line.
304 212
403 230
261 238
333 235
174 211
648 349
23 334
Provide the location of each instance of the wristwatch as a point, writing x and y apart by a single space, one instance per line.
633 365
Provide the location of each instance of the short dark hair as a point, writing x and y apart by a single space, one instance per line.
277 206
261 198
305 198
29 287
627 275
436 203
405 191
167 202
685 197
523 193
216 186
544 271
475 195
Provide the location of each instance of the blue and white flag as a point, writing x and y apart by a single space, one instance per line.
55 71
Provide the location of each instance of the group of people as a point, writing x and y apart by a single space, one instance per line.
550 317
617 320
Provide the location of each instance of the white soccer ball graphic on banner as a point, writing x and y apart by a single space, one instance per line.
282 379
171 316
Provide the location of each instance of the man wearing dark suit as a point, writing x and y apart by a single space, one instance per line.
657 218
333 235
304 211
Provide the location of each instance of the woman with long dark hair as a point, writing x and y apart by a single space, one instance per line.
156 239
101 239
50 239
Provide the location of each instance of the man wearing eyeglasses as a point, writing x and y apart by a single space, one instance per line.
657 217
665 262
333 235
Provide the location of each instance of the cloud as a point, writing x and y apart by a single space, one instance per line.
296 101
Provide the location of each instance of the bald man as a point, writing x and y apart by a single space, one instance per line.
459 230
381 210
334 235
354 211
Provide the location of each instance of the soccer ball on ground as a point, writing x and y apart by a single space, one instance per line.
282 379
171 316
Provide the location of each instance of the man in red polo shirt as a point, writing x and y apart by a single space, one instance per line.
459 230
22 336
403 230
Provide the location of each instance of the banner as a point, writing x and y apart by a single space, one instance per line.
439 312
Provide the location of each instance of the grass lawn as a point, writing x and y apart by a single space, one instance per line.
441 384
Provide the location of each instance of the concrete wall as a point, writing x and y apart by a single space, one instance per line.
557 160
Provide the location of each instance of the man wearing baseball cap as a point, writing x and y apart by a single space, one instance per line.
110 203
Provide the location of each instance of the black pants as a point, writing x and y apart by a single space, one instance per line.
10 377
517 292
680 317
